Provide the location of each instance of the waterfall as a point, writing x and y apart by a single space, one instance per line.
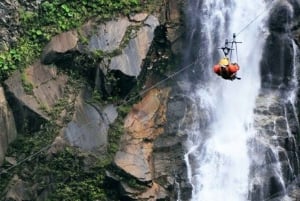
217 157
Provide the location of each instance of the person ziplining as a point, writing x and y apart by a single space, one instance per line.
225 68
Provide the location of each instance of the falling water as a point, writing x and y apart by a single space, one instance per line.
217 158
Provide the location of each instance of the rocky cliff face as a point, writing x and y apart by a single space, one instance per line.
130 48
276 114
149 164
10 29
277 65
8 132
278 128
9 33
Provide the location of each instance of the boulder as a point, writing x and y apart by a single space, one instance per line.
155 192
143 125
7 124
33 93
90 123
18 190
109 35
130 60
59 45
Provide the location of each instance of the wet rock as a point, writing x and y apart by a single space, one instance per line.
288 174
270 156
280 123
288 143
280 17
176 110
276 144
276 65
294 162
175 27
266 186
275 186
291 116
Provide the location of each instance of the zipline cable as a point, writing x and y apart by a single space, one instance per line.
142 93
243 29
268 7
238 33
160 82
4 171
25 159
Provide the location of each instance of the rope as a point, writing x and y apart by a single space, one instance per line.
25 159
160 82
243 29
255 18
142 93
40 151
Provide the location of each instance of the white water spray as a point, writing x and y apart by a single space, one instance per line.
217 158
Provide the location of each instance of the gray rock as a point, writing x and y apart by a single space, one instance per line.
276 65
109 36
89 126
281 17
111 113
58 45
129 62
151 21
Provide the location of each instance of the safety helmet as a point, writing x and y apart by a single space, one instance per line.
224 61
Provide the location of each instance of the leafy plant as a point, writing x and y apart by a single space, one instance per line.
54 17
27 86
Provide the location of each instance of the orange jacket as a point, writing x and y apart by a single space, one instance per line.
231 68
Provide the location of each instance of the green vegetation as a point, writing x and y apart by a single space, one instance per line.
68 174
77 176
28 87
24 146
54 17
